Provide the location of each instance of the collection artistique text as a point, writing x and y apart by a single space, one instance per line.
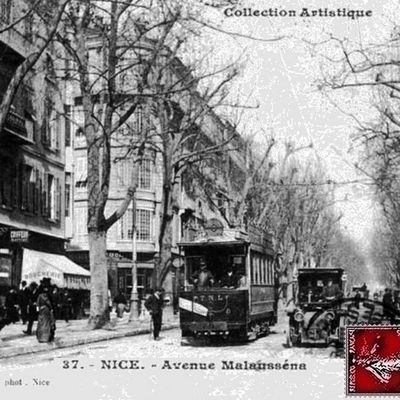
301 13
223 365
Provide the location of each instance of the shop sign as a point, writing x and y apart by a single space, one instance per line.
21 236
114 254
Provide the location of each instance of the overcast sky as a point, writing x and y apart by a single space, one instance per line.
281 77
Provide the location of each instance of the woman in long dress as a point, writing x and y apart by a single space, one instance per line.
46 323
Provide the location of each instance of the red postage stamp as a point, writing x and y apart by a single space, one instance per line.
372 360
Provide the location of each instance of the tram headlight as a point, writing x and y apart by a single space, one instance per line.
298 316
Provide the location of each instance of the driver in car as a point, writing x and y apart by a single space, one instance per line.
331 291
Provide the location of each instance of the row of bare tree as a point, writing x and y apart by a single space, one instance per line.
119 59
370 73
289 194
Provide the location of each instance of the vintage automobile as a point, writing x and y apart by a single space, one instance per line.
314 318
242 310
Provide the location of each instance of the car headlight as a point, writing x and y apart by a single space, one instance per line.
298 316
330 316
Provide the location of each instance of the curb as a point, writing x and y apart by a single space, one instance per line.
72 342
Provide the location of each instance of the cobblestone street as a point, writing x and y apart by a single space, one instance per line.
113 369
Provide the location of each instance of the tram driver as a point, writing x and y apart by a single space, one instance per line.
203 278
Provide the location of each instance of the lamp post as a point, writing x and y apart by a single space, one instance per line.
134 313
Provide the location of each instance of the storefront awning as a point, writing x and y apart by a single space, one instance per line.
63 272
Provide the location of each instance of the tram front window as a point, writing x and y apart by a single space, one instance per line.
216 269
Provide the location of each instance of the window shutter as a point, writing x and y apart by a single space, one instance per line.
40 191
36 209
57 131
14 188
67 112
58 199
31 193
45 200
43 127
25 187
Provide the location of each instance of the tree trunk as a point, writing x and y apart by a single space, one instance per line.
165 243
99 311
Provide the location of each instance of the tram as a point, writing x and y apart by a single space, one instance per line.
315 317
240 310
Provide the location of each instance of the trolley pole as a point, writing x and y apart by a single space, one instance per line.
134 312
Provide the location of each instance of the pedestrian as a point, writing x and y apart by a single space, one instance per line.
154 304
66 305
357 299
56 297
388 306
32 312
110 303
46 323
23 301
120 302
12 302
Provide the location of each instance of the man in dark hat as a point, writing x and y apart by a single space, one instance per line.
24 295
32 312
231 279
203 277
388 306
154 304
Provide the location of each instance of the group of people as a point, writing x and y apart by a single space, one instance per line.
391 305
203 278
319 292
43 302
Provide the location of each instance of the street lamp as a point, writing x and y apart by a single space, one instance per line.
134 313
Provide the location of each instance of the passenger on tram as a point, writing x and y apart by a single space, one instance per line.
230 280
242 282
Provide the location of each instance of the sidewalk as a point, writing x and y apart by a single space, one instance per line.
14 343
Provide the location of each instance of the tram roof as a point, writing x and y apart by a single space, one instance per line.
214 242
258 241
320 270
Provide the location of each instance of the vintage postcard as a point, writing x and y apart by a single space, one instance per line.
199 199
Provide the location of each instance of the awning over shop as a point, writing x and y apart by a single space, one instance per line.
63 272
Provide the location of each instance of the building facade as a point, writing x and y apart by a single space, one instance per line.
145 214
32 144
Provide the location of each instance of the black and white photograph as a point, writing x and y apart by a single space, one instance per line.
199 199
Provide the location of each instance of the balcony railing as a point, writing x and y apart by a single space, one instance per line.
16 122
